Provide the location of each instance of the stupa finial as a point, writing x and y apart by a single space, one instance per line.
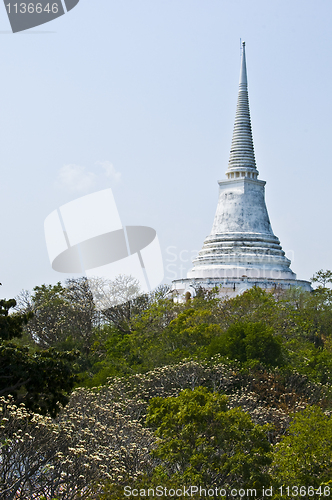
243 70
242 156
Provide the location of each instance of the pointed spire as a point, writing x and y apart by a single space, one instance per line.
242 154
243 71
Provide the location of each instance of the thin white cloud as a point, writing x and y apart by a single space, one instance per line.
75 178
109 170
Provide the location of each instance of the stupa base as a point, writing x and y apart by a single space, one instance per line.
231 287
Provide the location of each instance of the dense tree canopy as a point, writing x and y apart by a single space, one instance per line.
202 442
249 341
304 455
234 391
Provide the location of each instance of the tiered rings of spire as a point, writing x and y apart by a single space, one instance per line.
242 157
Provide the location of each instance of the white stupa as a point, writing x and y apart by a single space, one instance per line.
242 250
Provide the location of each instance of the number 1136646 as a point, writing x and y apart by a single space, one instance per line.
305 491
32 8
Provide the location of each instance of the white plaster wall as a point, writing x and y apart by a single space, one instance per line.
241 208
229 288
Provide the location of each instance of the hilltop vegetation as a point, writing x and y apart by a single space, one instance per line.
232 394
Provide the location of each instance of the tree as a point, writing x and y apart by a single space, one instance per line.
190 333
303 457
135 337
11 325
93 440
309 315
253 305
62 315
125 305
42 380
249 341
322 277
202 442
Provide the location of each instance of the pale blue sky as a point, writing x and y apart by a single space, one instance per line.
150 87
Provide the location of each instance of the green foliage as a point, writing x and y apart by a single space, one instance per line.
190 334
140 349
42 380
11 325
149 331
164 360
315 363
253 305
165 333
291 329
249 342
202 442
304 455
309 315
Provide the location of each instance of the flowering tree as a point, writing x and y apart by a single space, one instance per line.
91 442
